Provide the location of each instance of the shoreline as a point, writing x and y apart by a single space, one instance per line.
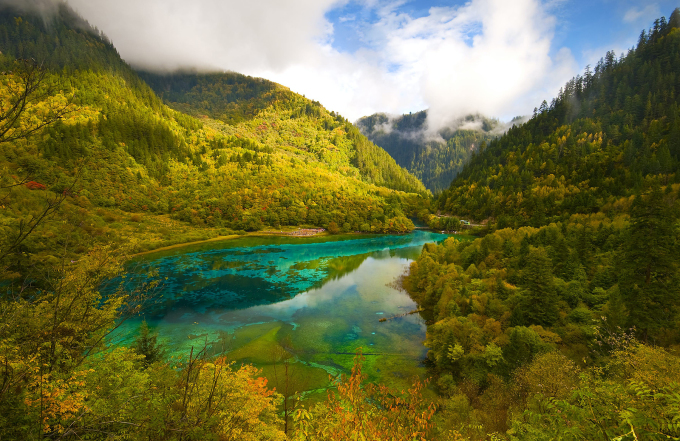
184 244
229 237
263 233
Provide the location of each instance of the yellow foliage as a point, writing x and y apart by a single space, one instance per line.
653 366
551 375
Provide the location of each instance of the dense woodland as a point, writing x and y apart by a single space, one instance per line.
559 322
563 320
232 98
436 158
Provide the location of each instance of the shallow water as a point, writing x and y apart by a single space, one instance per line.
313 301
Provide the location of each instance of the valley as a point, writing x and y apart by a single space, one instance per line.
192 255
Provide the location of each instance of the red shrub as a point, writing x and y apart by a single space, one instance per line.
32 185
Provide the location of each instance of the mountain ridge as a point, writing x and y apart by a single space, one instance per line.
569 301
235 98
610 133
434 156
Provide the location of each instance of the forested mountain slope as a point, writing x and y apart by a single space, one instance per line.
610 133
435 158
123 154
238 100
229 97
534 329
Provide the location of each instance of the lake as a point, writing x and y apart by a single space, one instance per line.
311 300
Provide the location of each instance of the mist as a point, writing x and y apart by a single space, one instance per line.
44 8
390 124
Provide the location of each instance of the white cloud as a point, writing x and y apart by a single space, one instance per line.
649 12
237 35
345 18
491 56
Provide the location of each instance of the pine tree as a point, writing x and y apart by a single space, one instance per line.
540 298
523 251
649 272
146 344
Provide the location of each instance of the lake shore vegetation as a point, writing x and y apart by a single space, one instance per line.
563 320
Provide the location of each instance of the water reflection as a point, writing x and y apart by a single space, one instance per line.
317 301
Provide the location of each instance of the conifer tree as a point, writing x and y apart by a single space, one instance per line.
649 272
146 344
540 297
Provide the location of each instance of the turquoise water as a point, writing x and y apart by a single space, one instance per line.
312 301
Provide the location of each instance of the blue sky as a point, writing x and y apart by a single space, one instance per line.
500 58
585 27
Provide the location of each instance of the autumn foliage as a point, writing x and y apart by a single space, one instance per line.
366 411
32 185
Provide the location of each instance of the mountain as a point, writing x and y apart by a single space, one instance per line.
247 153
237 101
611 133
569 305
434 157
562 321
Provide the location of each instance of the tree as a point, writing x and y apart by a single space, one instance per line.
146 344
333 228
48 337
649 272
25 86
215 401
524 344
639 401
540 298
366 412
26 107
290 382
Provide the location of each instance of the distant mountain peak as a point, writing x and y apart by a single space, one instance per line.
433 155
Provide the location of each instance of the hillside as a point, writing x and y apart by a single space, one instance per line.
275 115
536 329
93 167
435 158
140 173
611 133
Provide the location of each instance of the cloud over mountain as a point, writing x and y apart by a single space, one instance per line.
489 56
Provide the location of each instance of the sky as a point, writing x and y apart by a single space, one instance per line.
500 58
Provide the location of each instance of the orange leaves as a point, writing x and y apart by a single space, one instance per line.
361 411
231 404
32 185
258 386
55 399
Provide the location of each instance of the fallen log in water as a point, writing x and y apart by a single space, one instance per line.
400 315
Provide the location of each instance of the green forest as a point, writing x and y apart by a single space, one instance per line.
94 167
562 320
612 133
559 319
